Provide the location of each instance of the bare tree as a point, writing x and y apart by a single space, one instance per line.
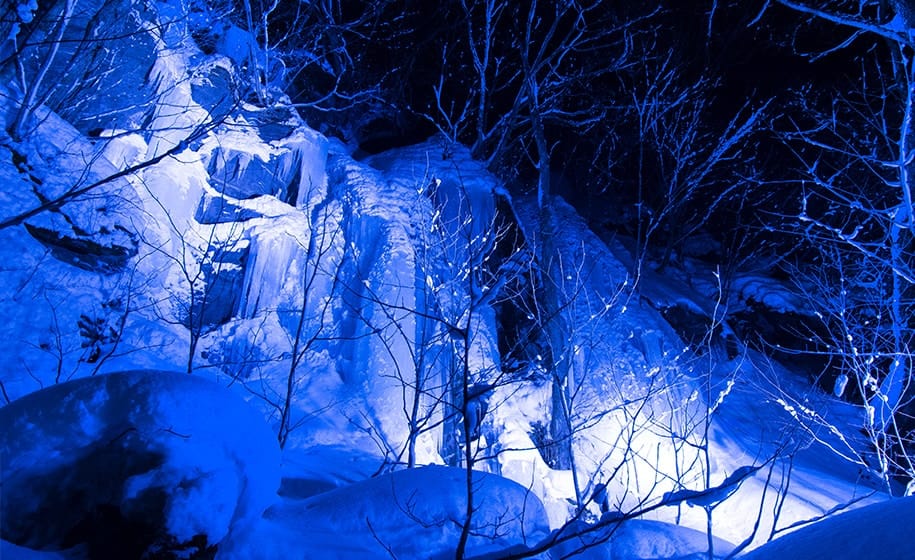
439 330
313 314
87 61
534 60
855 211
65 66
194 256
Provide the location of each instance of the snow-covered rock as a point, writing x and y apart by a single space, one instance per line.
644 539
102 251
93 232
134 461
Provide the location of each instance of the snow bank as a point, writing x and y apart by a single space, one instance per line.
880 531
639 539
9 551
132 461
643 539
414 513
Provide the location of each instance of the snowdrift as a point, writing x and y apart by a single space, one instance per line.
880 531
414 513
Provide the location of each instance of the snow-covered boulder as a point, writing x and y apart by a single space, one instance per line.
133 462
414 513
640 539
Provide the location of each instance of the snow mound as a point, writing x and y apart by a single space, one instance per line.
414 513
640 539
882 530
9 551
134 462
644 539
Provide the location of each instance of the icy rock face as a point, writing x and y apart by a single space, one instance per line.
213 87
290 168
133 462
217 209
223 277
621 372
273 274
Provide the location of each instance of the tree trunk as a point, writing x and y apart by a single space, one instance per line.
887 401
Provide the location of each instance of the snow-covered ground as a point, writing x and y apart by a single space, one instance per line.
876 531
